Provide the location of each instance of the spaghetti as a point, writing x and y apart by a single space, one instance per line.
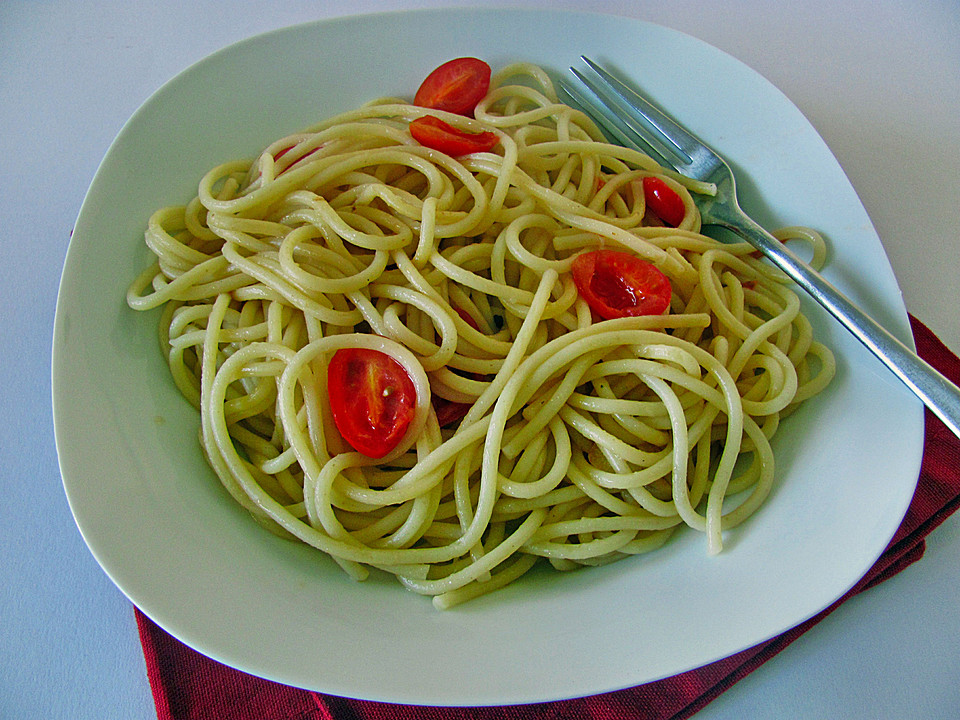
576 439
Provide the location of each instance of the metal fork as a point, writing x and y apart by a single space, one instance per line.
636 122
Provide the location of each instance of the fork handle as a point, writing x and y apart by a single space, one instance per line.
936 391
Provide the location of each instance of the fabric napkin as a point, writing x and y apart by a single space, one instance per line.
189 686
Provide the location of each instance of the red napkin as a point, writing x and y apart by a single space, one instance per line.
189 686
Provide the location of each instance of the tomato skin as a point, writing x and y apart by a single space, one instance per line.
456 86
284 151
372 399
467 318
434 133
663 201
617 284
448 411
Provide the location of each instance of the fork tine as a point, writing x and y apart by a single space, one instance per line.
673 136
641 120
610 123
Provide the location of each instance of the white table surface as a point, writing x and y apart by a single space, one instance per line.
879 80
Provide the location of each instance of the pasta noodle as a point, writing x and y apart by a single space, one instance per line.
584 441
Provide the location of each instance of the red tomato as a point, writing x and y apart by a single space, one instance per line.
372 399
617 284
284 151
663 201
456 86
448 411
467 318
434 133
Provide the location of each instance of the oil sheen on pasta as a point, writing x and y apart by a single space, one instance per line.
585 441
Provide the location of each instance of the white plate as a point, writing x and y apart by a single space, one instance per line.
156 519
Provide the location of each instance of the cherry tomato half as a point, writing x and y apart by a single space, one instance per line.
617 284
663 201
456 86
372 399
434 133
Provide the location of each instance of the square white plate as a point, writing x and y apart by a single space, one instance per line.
157 520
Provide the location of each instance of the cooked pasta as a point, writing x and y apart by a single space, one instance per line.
580 440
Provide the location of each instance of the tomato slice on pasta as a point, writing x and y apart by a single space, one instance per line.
663 201
617 284
434 133
456 86
372 399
